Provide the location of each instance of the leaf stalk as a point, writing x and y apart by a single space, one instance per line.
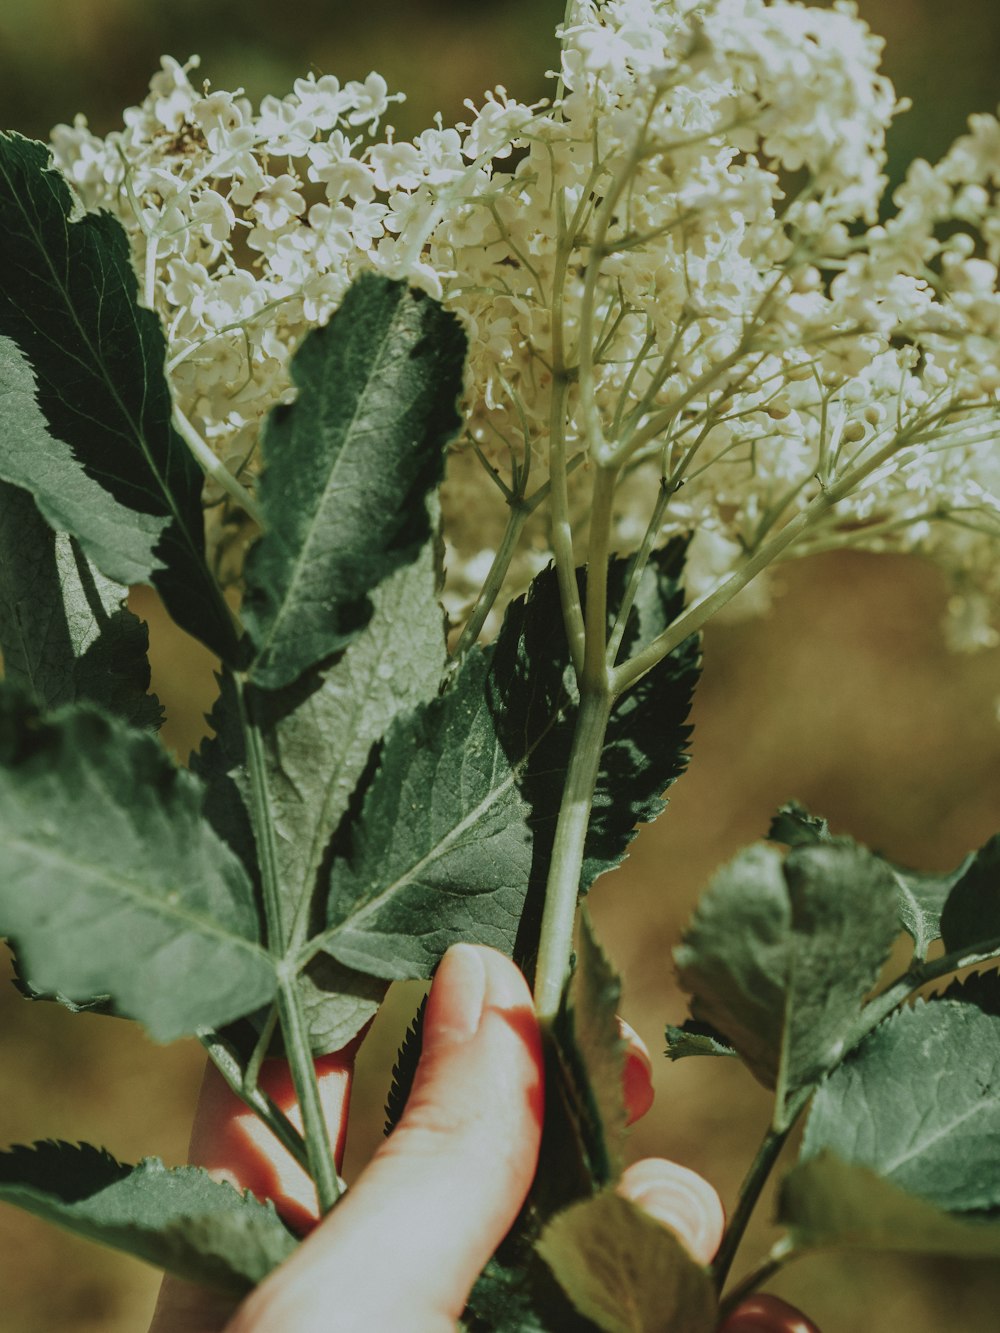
319 1150
754 1181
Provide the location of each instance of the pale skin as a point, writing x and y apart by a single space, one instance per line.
404 1246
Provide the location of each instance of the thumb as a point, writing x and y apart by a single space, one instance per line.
404 1246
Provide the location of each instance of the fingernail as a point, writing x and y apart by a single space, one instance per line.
637 1073
458 996
679 1199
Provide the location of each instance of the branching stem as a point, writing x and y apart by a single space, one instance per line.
252 1096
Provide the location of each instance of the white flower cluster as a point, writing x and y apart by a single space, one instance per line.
674 270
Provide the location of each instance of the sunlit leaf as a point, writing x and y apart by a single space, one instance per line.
348 469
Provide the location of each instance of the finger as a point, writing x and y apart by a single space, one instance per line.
405 1245
680 1199
637 1075
767 1314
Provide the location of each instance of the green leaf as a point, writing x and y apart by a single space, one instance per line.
826 1202
120 541
319 735
456 827
693 1038
592 1053
645 748
348 468
65 632
921 900
404 1070
920 895
110 881
179 1219
734 957
625 1271
782 951
69 299
971 914
918 1101
442 849
796 827
516 1293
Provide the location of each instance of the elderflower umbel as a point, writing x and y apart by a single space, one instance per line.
675 270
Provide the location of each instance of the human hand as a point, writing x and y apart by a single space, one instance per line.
404 1246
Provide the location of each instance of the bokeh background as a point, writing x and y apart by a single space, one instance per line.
843 696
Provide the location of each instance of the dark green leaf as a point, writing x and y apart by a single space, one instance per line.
782 951
516 1293
796 827
844 923
459 819
69 299
971 914
734 957
179 1219
645 748
592 1052
405 1069
442 850
920 895
348 468
65 631
693 1038
625 1271
919 1101
110 881
826 1202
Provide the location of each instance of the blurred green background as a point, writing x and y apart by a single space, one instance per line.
844 696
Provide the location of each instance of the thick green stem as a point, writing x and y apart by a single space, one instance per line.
319 1149
294 1028
756 1177
563 887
